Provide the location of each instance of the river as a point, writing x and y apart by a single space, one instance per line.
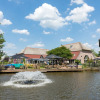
64 86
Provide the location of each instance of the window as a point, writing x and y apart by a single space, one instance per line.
71 46
86 58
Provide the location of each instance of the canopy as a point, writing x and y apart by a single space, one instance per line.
40 59
17 66
9 65
53 57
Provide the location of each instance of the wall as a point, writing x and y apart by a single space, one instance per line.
83 54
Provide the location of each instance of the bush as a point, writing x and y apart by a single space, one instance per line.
84 65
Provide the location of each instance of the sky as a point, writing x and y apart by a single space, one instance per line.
49 23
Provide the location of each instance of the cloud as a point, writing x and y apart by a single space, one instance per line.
80 14
98 30
37 45
94 36
23 40
44 32
10 46
68 39
1 31
48 16
77 2
24 31
97 44
87 45
4 21
92 23
16 1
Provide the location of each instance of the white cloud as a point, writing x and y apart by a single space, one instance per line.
4 21
44 32
24 31
16 1
37 45
98 30
94 36
48 16
97 44
92 23
80 14
1 31
77 2
10 46
23 40
87 45
68 39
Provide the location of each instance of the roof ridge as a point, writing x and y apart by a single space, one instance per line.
37 48
81 45
72 43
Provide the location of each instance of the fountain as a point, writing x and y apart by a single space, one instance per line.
28 79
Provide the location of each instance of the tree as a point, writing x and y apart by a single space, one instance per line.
77 61
61 51
90 61
96 54
2 40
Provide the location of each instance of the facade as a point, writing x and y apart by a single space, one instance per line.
34 54
80 52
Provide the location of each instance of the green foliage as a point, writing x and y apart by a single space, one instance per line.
99 54
61 51
23 60
2 40
90 61
77 61
96 54
84 65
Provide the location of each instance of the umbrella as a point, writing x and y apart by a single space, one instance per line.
53 57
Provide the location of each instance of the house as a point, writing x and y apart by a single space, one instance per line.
34 54
80 52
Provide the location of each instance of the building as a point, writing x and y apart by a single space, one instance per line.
80 52
34 54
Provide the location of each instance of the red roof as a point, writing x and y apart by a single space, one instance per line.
75 54
33 56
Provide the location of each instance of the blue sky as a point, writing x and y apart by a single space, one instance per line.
49 23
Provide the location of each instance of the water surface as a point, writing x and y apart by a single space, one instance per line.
65 86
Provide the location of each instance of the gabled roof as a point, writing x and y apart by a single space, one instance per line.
34 51
76 47
18 56
75 54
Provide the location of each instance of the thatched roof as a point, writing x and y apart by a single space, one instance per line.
36 51
76 47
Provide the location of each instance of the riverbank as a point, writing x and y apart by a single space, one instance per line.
48 70
41 70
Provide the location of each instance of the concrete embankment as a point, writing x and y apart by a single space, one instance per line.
49 70
42 70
